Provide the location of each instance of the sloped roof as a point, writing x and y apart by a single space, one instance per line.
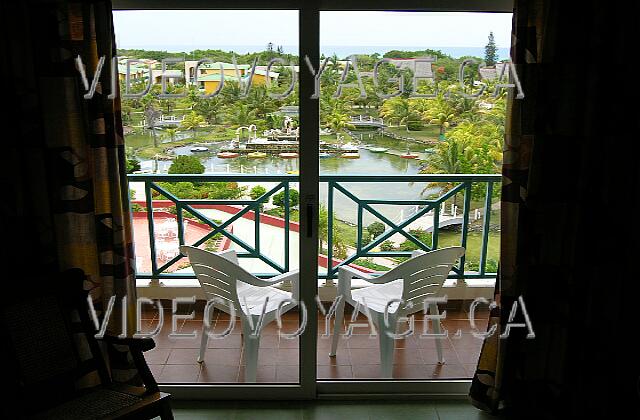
419 68
215 77
225 66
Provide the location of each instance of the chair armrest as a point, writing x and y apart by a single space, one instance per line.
254 281
355 273
292 276
136 344
136 348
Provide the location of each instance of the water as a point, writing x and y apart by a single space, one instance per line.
369 164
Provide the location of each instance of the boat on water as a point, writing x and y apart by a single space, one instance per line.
227 155
199 149
293 172
323 155
288 155
256 155
378 149
350 155
409 155
349 147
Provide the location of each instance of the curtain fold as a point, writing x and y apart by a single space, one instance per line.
568 179
65 174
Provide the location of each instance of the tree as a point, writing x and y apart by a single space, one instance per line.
209 108
260 102
186 165
133 165
240 115
151 116
338 241
191 122
257 191
441 113
336 121
171 132
294 198
399 109
375 229
491 51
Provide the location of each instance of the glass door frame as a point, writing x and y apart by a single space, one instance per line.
309 386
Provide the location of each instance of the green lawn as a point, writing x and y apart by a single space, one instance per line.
429 132
445 238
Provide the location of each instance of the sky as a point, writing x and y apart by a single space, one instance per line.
167 29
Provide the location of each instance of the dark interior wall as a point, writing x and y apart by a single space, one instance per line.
25 217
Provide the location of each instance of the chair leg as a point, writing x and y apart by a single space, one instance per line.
387 347
251 346
203 344
165 412
437 329
337 328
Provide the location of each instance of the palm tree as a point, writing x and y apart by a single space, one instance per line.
260 101
191 122
448 159
337 121
151 116
210 109
241 115
440 113
171 132
400 109
231 92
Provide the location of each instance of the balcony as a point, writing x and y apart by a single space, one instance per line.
457 210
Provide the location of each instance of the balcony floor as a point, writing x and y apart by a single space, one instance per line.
174 360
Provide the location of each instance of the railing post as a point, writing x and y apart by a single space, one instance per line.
287 217
329 281
359 229
436 227
485 228
465 222
151 229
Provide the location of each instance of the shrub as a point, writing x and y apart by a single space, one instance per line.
294 198
375 229
186 165
387 246
257 192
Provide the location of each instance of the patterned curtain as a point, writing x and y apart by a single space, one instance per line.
65 173
565 174
528 32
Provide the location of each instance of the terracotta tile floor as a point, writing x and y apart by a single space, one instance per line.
174 359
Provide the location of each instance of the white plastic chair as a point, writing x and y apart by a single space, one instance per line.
220 276
413 281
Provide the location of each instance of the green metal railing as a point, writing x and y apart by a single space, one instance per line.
457 184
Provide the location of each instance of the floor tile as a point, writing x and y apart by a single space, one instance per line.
180 373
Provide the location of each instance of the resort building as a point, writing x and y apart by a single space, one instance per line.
491 73
419 66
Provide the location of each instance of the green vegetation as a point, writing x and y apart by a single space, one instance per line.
186 165
368 263
257 192
491 51
465 135
294 198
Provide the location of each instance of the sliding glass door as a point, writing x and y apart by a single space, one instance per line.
294 145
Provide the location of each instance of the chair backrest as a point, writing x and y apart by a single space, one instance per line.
48 343
218 274
424 275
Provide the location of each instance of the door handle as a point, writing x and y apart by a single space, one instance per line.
309 220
